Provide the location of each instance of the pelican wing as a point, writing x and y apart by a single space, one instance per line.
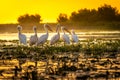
74 38
22 39
66 38
33 39
54 39
42 39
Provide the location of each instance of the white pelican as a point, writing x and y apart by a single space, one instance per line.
33 38
22 37
65 37
55 37
43 38
74 36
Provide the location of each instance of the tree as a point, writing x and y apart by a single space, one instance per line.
104 13
62 18
107 13
29 18
74 16
84 15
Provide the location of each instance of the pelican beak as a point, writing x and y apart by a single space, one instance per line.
19 27
67 30
48 27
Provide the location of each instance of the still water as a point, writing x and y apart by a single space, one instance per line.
81 35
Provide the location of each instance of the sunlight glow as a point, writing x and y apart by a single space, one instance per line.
49 10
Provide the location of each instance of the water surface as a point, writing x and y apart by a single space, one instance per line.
81 35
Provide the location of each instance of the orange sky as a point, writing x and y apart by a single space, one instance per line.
49 10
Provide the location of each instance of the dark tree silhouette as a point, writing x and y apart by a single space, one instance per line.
84 15
74 16
29 18
62 18
104 13
107 13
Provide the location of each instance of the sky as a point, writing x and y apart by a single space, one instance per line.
49 10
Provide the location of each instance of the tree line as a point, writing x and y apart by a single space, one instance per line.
29 18
103 13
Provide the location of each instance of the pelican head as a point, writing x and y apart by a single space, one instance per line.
63 28
48 27
58 24
19 28
34 28
72 31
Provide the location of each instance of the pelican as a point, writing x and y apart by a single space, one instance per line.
33 38
74 36
55 37
22 37
43 38
65 37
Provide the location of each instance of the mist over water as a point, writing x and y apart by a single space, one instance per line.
81 35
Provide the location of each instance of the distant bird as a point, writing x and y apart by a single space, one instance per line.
43 38
55 37
65 37
74 36
22 37
33 38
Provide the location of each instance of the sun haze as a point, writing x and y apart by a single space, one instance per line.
49 10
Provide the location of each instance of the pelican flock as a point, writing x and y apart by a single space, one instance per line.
35 40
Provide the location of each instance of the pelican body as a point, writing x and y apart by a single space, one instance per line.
22 37
43 38
33 39
74 36
65 37
55 37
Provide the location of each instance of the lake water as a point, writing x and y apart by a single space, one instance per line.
81 35
9 64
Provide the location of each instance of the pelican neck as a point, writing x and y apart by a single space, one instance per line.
46 29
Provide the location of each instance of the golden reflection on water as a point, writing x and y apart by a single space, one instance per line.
8 65
82 35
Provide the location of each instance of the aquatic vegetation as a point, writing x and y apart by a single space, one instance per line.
87 56
89 48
